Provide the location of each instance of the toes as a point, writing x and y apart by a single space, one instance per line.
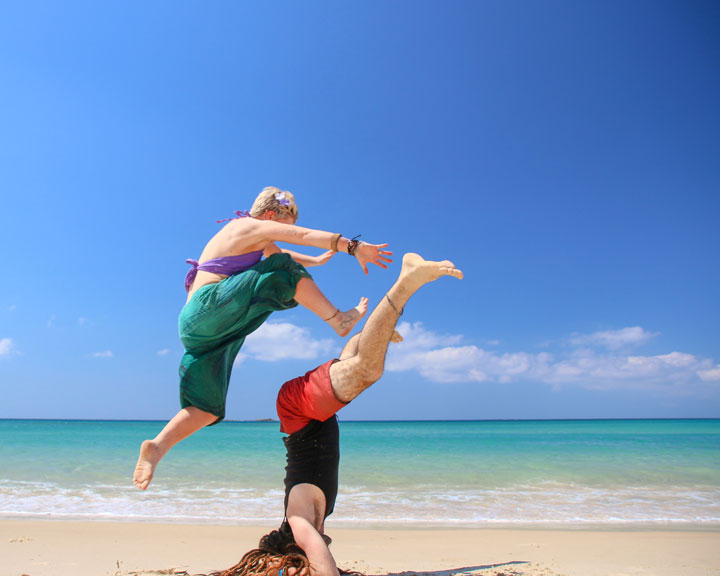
142 484
448 267
457 273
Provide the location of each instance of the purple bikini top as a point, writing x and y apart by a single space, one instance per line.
226 265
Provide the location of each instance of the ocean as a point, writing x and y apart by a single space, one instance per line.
585 473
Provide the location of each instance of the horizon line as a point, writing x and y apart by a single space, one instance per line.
276 421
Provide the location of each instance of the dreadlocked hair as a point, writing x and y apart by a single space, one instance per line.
276 551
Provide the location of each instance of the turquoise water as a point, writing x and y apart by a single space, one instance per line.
610 472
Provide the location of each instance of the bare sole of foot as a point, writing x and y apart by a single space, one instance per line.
416 271
145 467
344 321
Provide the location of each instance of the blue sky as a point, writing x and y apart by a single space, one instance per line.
563 154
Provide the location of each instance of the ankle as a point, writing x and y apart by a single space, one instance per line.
398 312
337 311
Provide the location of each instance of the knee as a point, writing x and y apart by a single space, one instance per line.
353 376
369 374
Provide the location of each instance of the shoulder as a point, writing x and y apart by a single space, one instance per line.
242 228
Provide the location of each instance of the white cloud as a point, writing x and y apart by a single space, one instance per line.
12 307
605 371
82 321
614 339
468 363
432 357
710 375
7 346
275 341
51 321
416 336
104 354
163 352
458 363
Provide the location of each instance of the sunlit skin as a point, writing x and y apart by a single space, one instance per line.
361 365
250 234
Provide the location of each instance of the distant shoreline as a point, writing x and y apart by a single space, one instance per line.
269 420
369 525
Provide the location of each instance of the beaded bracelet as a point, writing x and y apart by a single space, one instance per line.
353 245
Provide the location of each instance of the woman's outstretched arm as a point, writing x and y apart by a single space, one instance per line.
365 252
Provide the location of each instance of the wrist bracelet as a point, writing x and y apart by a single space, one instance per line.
334 242
353 245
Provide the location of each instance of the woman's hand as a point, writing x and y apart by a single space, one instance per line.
303 259
367 253
324 258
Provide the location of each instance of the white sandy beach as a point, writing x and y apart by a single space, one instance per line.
67 548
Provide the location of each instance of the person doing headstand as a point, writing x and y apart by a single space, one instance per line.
231 291
306 407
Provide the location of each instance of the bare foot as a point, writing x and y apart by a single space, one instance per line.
343 322
416 271
145 468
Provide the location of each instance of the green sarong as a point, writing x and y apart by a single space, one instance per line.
214 323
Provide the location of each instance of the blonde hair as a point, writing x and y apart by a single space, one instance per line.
282 202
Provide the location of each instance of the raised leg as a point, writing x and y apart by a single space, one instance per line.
183 424
355 372
311 297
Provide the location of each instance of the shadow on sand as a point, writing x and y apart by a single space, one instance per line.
464 571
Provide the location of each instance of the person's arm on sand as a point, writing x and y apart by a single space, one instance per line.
304 503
